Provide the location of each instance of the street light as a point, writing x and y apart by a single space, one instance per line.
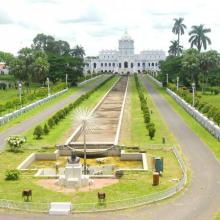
20 91
167 78
177 83
193 91
66 80
48 86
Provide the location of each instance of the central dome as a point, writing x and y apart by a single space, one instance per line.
126 36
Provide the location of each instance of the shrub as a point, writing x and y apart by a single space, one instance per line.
151 132
15 142
46 129
12 174
51 122
38 132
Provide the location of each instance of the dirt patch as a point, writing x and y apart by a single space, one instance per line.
51 184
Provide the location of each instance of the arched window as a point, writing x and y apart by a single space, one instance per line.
152 64
143 64
105 64
119 65
138 64
156 64
132 65
125 64
101 64
113 64
109 64
94 65
148 64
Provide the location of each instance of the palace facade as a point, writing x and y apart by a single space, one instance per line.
124 60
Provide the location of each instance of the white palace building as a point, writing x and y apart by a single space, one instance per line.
124 60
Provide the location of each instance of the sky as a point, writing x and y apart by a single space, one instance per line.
98 24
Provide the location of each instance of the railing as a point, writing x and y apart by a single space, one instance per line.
155 80
202 119
4 119
88 80
109 205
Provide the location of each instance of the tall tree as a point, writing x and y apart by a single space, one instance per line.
175 48
6 57
198 37
190 66
178 28
78 51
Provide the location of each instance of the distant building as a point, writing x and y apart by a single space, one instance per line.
124 60
3 69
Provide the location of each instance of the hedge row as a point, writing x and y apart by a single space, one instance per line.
146 112
61 114
212 112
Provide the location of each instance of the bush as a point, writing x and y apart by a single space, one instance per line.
151 132
38 132
51 122
46 129
15 142
12 174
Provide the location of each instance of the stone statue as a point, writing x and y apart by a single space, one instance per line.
73 159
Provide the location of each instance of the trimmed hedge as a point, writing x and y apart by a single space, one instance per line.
144 107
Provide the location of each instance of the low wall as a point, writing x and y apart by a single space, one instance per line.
27 162
155 80
202 119
88 80
4 119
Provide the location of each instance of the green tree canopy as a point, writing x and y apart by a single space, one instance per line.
198 37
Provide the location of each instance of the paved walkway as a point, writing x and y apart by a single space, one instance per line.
36 119
201 199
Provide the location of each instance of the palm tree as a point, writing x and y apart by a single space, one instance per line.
175 48
85 120
198 37
178 28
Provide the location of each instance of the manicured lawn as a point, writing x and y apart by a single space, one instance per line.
212 99
203 134
134 132
42 107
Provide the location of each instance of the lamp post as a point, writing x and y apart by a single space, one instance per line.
177 83
167 78
20 91
48 86
66 80
193 91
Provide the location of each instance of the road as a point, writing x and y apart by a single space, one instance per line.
37 118
198 202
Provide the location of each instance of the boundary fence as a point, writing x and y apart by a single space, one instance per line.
108 205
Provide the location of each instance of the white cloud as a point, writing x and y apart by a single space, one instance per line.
99 24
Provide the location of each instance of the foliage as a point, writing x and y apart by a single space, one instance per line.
38 132
174 48
145 109
46 129
15 142
198 37
12 174
178 29
6 57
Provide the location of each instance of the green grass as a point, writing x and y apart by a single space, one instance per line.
135 132
217 216
210 98
42 107
199 130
